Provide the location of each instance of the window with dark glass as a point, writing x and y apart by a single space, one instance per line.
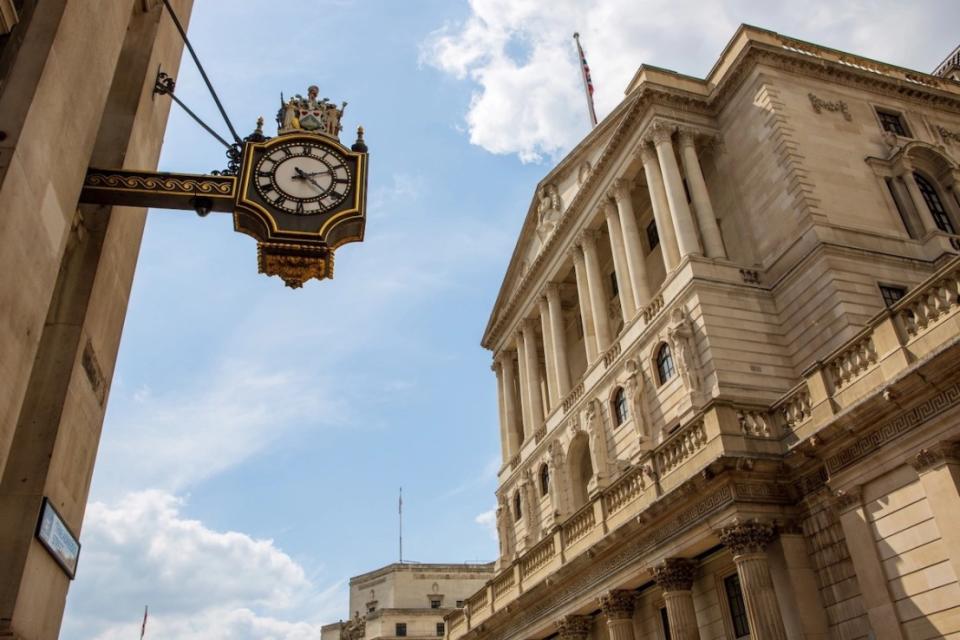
614 287
738 611
434 603
459 604
653 238
440 629
665 622
665 368
517 508
544 479
934 204
893 122
891 293
401 629
620 411
371 608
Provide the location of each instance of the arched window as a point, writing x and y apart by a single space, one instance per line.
664 363
544 479
932 199
517 508
620 411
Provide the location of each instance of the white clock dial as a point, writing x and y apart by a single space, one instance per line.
302 178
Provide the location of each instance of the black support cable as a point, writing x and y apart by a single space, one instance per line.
196 60
199 121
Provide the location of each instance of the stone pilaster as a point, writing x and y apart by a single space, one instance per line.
675 577
588 241
583 297
687 242
627 305
939 470
574 627
706 218
748 542
617 608
559 334
636 262
661 207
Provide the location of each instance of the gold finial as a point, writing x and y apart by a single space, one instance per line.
260 124
359 146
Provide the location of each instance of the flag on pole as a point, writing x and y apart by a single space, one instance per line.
587 80
143 627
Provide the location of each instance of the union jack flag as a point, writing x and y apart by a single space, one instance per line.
587 80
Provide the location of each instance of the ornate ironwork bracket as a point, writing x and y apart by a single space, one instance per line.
199 193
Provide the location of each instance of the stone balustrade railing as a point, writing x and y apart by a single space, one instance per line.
575 394
611 354
579 525
626 489
478 600
653 309
794 408
503 583
852 362
680 446
537 557
929 305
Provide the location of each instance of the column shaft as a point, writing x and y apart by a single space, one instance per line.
586 311
687 241
661 208
763 611
706 218
681 615
524 389
514 434
533 376
598 305
549 353
501 411
559 335
627 305
617 608
636 262
926 218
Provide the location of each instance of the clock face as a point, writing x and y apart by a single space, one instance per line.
302 178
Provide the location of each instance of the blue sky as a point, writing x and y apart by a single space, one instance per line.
256 436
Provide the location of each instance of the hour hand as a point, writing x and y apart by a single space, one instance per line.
303 175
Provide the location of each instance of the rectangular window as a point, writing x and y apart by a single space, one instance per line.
434 603
614 287
893 122
653 238
401 629
738 610
459 604
440 630
665 621
371 608
891 293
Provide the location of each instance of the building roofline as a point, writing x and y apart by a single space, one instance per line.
398 567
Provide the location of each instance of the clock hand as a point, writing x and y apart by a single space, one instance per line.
317 173
313 182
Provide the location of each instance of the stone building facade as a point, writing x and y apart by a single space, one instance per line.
728 362
76 82
407 600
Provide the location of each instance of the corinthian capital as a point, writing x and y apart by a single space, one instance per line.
936 455
646 152
588 239
747 537
674 574
661 132
617 605
621 189
686 136
576 253
574 627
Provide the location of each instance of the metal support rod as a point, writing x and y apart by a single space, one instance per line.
196 60
199 121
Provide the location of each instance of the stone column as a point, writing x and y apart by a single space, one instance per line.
524 388
627 305
497 368
508 393
549 352
919 204
748 542
675 577
559 335
709 231
636 262
533 376
687 241
661 207
617 608
874 591
904 203
583 296
574 627
939 470
598 306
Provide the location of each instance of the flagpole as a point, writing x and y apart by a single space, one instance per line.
143 627
400 509
587 82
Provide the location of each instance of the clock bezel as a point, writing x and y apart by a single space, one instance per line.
267 156
339 225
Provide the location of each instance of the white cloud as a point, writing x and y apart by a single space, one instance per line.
199 583
519 54
488 520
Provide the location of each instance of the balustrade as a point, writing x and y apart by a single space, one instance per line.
579 525
538 556
852 362
680 446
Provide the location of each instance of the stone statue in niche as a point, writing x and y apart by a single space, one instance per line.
599 453
549 211
503 530
683 347
636 387
557 481
584 172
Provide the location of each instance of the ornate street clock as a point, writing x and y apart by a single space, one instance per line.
300 194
